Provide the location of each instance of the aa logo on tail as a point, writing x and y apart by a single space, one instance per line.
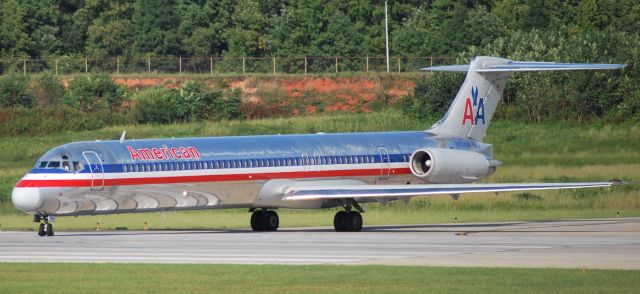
474 108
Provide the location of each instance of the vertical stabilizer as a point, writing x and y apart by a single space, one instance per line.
473 107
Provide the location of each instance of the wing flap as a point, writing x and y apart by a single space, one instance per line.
378 191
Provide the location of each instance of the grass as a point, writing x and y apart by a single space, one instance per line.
531 153
154 278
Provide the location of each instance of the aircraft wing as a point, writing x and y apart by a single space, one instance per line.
379 191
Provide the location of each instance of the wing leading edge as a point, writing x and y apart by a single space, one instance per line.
380 191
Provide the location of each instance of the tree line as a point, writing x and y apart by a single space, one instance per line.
604 31
252 28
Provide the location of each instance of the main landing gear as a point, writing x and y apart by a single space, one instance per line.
264 220
45 228
348 220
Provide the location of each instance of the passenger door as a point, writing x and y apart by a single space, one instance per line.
96 168
385 164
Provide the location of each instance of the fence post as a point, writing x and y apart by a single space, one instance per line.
336 64
398 64
56 67
180 58
367 63
274 65
148 65
117 65
244 68
305 65
211 64
86 65
24 67
430 60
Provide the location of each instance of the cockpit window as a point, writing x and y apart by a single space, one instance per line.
54 164
43 164
66 165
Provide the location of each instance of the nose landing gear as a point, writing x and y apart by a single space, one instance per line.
45 228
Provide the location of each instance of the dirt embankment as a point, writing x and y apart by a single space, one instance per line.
298 95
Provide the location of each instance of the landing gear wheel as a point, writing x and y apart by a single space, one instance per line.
49 230
339 221
41 231
258 220
264 220
272 221
353 221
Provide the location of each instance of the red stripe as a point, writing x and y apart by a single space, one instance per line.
207 178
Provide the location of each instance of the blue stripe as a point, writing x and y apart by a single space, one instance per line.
143 166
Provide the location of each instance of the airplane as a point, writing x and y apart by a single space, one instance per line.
306 171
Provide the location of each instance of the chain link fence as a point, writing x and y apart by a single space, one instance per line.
219 65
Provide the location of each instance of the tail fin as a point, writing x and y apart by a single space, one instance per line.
472 109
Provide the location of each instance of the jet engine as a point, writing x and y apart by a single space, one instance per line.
438 165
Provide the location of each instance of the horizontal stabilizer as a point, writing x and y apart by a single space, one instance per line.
522 66
460 68
382 191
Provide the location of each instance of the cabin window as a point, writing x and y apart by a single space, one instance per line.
289 161
124 168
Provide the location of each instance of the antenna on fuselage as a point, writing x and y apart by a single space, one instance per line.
124 134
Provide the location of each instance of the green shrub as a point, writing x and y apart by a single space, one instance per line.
13 91
47 89
433 95
190 103
92 92
154 105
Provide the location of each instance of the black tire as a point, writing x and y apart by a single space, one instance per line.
41 231
272 221
49 230
353 221
339 221
257 220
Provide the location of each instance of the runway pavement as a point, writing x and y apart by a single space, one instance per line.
604 243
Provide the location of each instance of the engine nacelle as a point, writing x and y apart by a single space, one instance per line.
438 165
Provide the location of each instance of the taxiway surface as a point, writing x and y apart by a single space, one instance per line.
603 243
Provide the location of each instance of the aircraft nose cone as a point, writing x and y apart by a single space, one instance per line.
26 199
